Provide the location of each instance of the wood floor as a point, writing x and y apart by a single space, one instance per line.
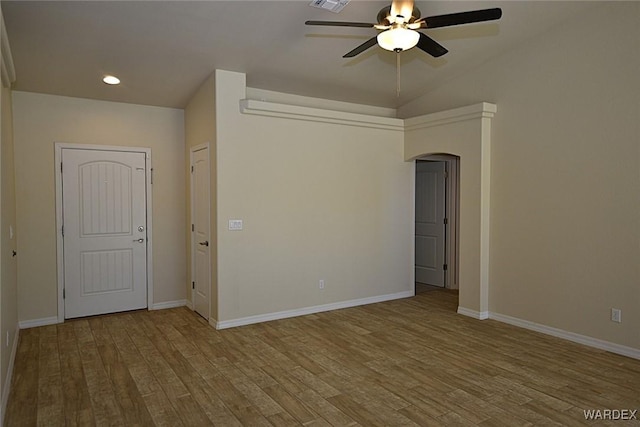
423 287
405 362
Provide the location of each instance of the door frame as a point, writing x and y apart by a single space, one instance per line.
452 213
192 150
59 146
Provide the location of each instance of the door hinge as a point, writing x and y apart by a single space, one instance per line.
444 267
60 167
193 228
446 221
62 230
191 169
151 170
446 174
64 293
193 285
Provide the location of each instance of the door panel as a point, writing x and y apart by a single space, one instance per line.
105 245
106 271
105 192
201 244
426 250
430 227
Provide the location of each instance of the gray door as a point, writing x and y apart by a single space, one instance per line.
430 222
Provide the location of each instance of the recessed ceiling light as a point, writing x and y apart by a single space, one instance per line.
111 80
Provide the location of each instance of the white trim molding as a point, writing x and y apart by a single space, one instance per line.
6 387
307 310
480 315
34 323
470 112
272 109
7 71
570 336
549 330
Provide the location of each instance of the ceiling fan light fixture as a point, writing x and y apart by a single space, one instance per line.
398 39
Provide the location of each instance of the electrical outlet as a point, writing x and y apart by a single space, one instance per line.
616 315
321 284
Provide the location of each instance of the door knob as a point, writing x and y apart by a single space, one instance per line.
141 240
205 243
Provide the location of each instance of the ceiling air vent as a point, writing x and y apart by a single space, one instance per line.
332 5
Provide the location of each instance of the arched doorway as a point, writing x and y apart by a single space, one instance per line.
466 133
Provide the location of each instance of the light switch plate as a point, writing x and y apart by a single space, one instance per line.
235 224
616 315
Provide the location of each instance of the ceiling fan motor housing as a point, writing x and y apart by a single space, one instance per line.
385 14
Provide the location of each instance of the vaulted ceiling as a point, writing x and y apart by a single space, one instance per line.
163 50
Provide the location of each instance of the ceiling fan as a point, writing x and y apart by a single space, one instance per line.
399 23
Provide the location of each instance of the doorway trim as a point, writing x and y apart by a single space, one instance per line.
192 150
59 146
466 133
452 202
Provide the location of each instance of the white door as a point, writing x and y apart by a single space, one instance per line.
430 222
105 236
201 246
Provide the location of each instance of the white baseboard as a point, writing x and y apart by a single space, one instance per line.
6 387
480 315
25 324
168 304
570 336
45 321
307 310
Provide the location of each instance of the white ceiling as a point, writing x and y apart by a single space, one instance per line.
163 50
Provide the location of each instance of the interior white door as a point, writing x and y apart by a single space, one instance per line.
105 236
201 245
430 223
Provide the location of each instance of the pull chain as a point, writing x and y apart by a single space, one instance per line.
398 74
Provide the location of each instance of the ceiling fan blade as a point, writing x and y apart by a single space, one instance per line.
462 18
402 8
364 46
340 24
431 46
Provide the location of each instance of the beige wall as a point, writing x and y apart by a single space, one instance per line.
8 291
565 205
318 201
41 120
200 128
